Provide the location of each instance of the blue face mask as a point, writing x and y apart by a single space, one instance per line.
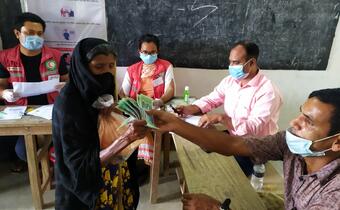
148 59
33 42
301 146
236 71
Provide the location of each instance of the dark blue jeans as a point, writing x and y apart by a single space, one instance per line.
246 164
20 148
9 144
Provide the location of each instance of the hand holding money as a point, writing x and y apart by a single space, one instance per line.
136 109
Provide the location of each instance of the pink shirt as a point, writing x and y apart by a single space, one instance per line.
254 108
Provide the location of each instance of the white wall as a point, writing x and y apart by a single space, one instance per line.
295 85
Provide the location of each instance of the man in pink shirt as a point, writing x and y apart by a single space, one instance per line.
251 101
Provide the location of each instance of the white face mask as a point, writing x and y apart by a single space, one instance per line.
301 146
103 101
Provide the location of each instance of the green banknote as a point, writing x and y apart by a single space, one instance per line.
144 101
135 111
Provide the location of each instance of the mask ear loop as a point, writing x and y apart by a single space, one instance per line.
323 139
246 64
328 137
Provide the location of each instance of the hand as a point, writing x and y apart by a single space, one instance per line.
210 119
9 95
165 121
199 202
157 103
59 86
187 110
137 129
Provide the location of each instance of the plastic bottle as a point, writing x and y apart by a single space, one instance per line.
257 177
186 94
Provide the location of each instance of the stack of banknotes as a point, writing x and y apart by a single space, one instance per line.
136 109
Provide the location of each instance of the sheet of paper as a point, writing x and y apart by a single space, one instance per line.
180 102
13 112
26 89
43 111
192 119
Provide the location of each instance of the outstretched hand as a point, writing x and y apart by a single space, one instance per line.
165 121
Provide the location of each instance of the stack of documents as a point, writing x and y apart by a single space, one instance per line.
13 112
192 119
26 89
43 111
136 110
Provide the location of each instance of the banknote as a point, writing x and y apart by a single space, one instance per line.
144 101
136 110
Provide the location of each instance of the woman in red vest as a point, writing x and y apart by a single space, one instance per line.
152 77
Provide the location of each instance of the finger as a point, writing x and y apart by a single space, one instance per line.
206 124
203 123
138 123
15 95
154 112
161 115
180 110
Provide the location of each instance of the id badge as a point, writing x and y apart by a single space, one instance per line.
158 81
57 76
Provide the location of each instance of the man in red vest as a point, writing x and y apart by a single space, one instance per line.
29 61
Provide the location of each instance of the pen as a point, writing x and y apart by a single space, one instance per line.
174 109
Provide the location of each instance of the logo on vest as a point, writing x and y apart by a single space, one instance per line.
51 65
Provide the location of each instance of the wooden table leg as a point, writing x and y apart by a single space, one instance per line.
155 167
166 153
33 170
45 164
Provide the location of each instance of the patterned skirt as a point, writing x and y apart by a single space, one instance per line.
118 192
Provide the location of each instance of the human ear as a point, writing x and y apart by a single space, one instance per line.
16 33
336 145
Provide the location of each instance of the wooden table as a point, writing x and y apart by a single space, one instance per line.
159 139
215 175
30 127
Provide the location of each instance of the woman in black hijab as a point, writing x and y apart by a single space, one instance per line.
85 178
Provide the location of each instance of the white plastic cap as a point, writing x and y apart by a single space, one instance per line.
186 88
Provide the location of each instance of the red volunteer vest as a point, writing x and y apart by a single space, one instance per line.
49 65
135 72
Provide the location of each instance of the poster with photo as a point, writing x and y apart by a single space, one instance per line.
68 21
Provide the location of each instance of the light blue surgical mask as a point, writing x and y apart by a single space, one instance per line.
301 146
148 59
33 42
236 71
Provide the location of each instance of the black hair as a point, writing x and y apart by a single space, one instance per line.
105 49
148 38
251 48
27 16
330 96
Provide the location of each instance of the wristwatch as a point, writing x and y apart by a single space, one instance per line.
226 204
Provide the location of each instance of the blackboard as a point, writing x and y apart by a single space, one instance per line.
291 34
8 10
